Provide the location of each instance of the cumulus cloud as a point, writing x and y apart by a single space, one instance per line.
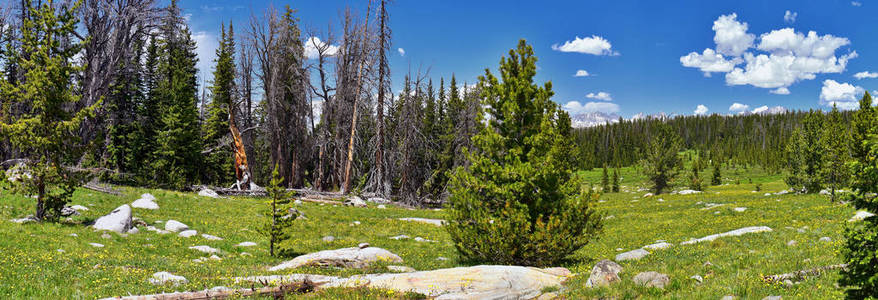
790 17
312 46
701 110
765 110
866 74
401 51
738 107
600 96
581 73
786 56
594 45
576 107
844 95
856 3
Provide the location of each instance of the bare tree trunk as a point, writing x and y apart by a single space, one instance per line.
347 170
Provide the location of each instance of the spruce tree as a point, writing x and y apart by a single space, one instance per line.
662 162
615 180
836 152
805 155
219 163
860 251
45 133
695 177
276 228
519 201
176 158
717 178
605 181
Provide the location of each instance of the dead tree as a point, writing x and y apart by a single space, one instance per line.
379 180
325 92
362 40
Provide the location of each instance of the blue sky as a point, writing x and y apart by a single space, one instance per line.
640 56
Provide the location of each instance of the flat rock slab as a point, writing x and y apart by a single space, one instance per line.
477 282
246 244
175 226
657 246
145 203
208 193
688 192
211 237
652 279
355 257
604 273
632 255
161 278
736 232
119 220
860 215
436 222
205 249
188 233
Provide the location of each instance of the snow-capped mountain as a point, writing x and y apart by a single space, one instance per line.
591 119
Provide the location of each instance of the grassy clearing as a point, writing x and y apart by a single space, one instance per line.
32 267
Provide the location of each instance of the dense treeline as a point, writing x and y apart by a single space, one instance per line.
318 106
755 139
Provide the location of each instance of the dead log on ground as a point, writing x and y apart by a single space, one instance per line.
277 292
802 274
94 185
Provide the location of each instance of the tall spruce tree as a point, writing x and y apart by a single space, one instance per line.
835 142
605 181
805 155
615 180
662 162
45 133
219 163
176 157
860 251
518 202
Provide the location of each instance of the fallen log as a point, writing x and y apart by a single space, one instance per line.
801 274
277 292
102 187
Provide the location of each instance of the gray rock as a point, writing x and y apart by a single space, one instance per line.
688 192
381 206
119 220
175 226
215 257
206 192
355 257
68 212
399 237
205 249
604 273
27 219
436 222
740 209
792 243
861 215
378 200
146 201
211 237
697 278
736 232
96 245
133 230
728 298
772 298
161 278
825 239
328 238
188 233
106 236
632 255
355 201
79 208
246 244
442 258
652 279
657 246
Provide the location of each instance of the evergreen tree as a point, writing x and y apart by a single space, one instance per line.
518 202
45 133
124 131
836 152
860 251
695 177
605 181
662 162
219 163
176 159
616 180
279 222
805 155
717 178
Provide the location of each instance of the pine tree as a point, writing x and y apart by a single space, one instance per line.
616 180
605 181
219 163
46 133
518 202
176 158
124 140
805 155
860 251
695 177
279 222
717 178
836 152
662 162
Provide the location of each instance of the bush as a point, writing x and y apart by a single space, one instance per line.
518 201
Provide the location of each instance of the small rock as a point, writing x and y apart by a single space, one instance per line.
246 244
442 258
106 236
246 254
175 226
697 278
24 220
206 192
356 223
355 201
825 239
632 255
381 206
792 243
604 273
708 264
772 298
165 277
328 238
133 231
728 298
211 237
401 269
652 279
96 245
297 202
60 250
119 220
79 208
214 257
788 283
861 215
378 200
687 192
68 212
422 220
399 237
205 249
657 246
188 233
73 235
740 209
363 245
647 195
146 201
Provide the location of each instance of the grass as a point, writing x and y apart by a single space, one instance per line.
32 267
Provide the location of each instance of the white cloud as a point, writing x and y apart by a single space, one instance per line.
594 45
856 3
788 56
581 73
401 51
205 48
314 43
576 107
709 61
739 108
600 96
790 17
765 110
844 95
780 91
731 36
866 74
701 110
